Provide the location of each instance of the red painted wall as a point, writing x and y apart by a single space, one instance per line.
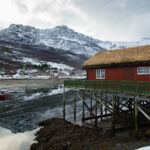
119 73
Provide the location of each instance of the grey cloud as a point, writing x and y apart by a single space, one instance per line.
118 19
61 13
43 6
21 6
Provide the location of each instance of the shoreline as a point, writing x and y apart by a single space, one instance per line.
59 134
29 83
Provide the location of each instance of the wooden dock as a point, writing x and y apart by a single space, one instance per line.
123 101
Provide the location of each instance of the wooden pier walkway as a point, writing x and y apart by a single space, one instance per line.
126 87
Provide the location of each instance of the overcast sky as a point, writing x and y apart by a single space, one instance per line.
115 20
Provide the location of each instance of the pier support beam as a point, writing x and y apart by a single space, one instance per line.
91 105
135 116
83 108
113 111
75 95
95 109
101 107
64 105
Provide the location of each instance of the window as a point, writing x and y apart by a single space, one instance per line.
100 74
143 70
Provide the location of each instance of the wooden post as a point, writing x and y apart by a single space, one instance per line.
118 103
95 110
130 105
75 107
101 108
64 105
83 109
135 116
91 106
105 105
105 108
113 112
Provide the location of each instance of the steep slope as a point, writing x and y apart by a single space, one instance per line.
60 44
44 53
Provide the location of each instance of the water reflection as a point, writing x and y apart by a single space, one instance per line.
26 109
22 113
19 141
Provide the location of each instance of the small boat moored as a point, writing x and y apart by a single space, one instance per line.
3 95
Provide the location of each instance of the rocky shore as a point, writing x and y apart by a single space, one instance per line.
58 134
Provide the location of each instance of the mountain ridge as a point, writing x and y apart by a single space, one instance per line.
60 37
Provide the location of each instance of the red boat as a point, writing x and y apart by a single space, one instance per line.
3 95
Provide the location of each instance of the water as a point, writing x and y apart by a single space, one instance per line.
18 141
24 111
20 115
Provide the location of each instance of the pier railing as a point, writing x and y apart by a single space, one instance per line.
133 87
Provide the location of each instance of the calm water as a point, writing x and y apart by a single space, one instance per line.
21 113
24 111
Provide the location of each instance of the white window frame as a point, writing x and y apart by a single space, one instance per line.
100 74
141 71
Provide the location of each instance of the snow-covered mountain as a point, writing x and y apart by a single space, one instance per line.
60 37
60 45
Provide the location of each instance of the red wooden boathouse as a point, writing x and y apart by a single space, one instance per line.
131 64
113 85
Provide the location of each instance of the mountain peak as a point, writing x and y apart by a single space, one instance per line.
20 26
12 26
64 27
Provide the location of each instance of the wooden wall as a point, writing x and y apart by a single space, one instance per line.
119 73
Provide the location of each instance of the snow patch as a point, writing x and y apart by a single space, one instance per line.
30 60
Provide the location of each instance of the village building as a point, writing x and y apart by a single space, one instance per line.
130 64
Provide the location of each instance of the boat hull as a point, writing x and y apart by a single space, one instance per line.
4 97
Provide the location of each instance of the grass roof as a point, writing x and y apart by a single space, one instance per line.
125 55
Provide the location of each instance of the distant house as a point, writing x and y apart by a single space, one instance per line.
123 64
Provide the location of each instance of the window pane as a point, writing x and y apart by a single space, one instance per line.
143 70
100 74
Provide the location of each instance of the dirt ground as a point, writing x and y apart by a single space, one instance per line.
58 134
36 83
